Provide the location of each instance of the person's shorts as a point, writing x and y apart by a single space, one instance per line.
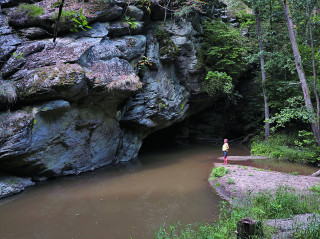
225 153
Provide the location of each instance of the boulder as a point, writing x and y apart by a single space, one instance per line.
113 75
34 33
110 14
9 44
64 81
97 30
128 48
57 138
12 3
10 185
135 13
117 29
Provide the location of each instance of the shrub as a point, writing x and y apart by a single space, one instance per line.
218 172
283 146
66 16
316 188
32 10
312 231
216 81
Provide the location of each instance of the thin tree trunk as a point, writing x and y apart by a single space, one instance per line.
263 77
314 67
57 22
300 71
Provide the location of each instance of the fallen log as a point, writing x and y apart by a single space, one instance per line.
316 174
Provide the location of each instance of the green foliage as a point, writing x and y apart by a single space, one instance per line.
316 188
189 6
66 16
32 10
18 55
231 181
311 232
218 172
131 22
167 46
305 139
295 110
294 173
142 65
144 4
80 21
176 231
285 202
224 48
161 34
283 146
217 82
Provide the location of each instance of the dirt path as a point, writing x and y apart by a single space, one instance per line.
243 180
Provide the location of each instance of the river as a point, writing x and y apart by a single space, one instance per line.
119 202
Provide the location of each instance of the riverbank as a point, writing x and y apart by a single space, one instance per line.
243 180
242 183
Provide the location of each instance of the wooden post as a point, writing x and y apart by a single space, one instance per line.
247 228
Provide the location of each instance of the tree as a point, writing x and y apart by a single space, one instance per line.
299 68
263 77
58 20
313 64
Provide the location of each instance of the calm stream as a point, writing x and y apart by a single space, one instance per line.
124 201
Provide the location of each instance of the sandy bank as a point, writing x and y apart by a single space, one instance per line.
243 180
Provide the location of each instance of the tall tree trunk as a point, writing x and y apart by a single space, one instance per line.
300 71
57 22
263 77
313 66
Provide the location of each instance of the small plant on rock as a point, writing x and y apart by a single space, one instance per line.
80 21
32 10
132 23
143 64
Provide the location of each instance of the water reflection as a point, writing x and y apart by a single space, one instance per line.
130 200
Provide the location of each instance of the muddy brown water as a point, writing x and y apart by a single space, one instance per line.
129 201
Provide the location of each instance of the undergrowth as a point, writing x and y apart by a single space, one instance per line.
284 203
218 172
312 230
293 147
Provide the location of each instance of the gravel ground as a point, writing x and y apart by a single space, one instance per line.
243 180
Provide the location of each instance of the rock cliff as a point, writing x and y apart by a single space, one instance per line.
90 98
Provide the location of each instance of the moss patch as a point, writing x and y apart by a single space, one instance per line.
32 10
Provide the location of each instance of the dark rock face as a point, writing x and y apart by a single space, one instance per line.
11 185
81 103
57 138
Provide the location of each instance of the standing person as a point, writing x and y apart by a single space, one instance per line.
225 148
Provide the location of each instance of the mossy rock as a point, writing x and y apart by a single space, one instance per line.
32 10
